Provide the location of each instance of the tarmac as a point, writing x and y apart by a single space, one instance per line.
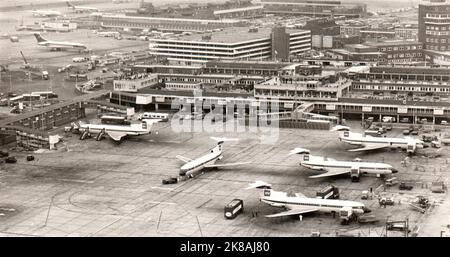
100 188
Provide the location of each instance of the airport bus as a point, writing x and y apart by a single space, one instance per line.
154 115
45 94
109 119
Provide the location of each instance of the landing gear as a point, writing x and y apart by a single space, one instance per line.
85 135
355 178
100 135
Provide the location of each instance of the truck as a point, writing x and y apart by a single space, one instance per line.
404 186
346 215
45 75
429 138
233 208
373 133
365 219
388 119
328 192
391 181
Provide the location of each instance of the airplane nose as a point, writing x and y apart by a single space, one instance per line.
367 210
394 171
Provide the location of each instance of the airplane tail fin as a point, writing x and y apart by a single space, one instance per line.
299 151
259 185
221 140
340 128
39 38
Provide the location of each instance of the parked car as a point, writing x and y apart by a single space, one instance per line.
4 153
404 186
11 159
171 180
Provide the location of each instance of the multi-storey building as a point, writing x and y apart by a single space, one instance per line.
314 8
408 83
388 52
121 22
250 44
434 25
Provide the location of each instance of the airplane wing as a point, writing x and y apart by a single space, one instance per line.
296 211
116 136
330 172
368 147
226 164
183 159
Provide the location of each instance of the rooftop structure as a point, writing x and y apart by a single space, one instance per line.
251 44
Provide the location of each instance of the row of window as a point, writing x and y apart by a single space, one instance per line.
433 15
437 40
437 48
400 88
437 33
390 56
400 48
437 28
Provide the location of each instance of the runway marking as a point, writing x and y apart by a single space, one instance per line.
161 202
78 181
165 188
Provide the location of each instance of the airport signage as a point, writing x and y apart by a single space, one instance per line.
438 112
289 105
143 99
367 108
402 109
222 101
331 107
255 103
190 100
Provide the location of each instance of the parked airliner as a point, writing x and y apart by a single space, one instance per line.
194 167
115 132
298 204
368 143
334 167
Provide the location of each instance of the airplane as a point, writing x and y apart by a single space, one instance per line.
57 45
193 167
81 9
299 204
334 167
368 143
46 13
115 132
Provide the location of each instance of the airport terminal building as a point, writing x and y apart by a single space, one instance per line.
167 24
251 44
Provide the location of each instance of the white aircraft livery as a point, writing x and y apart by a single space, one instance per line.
193 167
298 204
334 167
46 13
58 45
115 132
81 9
368 143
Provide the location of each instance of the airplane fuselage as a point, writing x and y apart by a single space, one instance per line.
62 45
408 144
129 130
281 199
364 167
195 166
